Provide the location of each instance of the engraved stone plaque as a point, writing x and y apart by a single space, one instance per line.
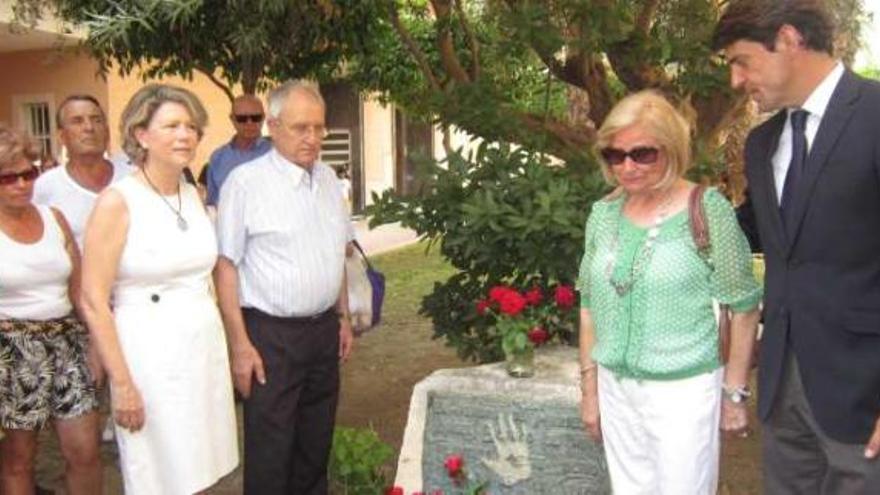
521 436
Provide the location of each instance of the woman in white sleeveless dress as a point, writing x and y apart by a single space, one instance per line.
150 242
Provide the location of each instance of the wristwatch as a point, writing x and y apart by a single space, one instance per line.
737 395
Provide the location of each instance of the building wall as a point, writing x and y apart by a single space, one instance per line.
57 73
46 73
378 147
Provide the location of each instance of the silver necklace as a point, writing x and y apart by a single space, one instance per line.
643 256
181 222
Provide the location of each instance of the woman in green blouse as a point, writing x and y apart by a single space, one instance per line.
652 380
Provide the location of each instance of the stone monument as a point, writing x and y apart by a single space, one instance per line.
518 435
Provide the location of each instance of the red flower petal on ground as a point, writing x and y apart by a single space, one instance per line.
498 292
513 303
482 306
394 490
564 296
534 296
537 335
453 464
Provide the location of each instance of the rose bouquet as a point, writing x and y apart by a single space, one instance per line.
528 318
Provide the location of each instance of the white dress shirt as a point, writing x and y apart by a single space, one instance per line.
285 230
816 104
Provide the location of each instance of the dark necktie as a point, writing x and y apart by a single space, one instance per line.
798 160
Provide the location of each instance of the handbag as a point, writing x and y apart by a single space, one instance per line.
376 281
700 232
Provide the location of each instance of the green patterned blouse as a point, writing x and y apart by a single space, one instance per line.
664 327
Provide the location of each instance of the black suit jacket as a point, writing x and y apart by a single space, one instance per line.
822 286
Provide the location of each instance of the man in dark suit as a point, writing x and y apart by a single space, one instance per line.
813 171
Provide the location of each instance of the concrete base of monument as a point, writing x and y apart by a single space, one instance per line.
518 435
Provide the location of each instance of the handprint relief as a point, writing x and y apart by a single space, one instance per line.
512 462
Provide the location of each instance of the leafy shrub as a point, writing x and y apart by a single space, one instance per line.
502 216
356 462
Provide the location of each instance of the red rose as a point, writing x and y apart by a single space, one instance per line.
512 303
482 306
564 296
498 292
537 335
394 490
454 464
534 296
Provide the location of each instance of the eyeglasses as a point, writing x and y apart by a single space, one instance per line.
643 155
302 130
256 118
27 175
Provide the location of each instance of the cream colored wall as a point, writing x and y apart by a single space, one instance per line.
378 147
57 74
53 73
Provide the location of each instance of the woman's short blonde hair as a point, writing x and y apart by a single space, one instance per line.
661 120
142 107
14 146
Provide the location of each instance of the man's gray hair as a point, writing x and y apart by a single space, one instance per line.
277 97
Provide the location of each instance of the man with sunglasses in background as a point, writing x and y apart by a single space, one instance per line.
248 143
73 188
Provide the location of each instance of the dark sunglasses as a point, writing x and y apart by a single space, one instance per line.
643 155
256 118
27 175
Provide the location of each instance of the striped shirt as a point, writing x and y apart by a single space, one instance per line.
285 231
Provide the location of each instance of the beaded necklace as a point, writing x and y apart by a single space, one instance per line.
643 256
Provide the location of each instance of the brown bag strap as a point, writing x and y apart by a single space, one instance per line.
700 232
697 221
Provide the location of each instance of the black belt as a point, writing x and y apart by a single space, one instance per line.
326 314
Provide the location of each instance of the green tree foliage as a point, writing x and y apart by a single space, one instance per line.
504 215
247 42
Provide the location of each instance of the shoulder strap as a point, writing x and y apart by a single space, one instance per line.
697 221
360 249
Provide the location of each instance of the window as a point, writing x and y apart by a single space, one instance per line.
35 113
39 124
336 148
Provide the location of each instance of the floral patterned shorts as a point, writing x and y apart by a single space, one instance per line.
43 372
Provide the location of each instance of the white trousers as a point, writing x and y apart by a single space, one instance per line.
661 437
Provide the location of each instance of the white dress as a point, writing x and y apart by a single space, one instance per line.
172 338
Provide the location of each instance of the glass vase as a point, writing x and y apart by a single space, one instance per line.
521 363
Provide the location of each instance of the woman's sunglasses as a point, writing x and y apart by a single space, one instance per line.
643 155
27 175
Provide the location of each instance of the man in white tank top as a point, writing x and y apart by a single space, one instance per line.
73 188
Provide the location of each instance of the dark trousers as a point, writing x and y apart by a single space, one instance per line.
799 459
288 422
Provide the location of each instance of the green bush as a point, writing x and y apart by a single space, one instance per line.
356 462
504 215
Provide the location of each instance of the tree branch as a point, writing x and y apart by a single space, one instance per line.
223 87
412 46
445 43
472 39
646 16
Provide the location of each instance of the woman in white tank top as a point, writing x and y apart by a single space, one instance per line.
44 367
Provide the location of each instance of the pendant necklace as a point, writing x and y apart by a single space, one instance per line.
643 256
181 222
